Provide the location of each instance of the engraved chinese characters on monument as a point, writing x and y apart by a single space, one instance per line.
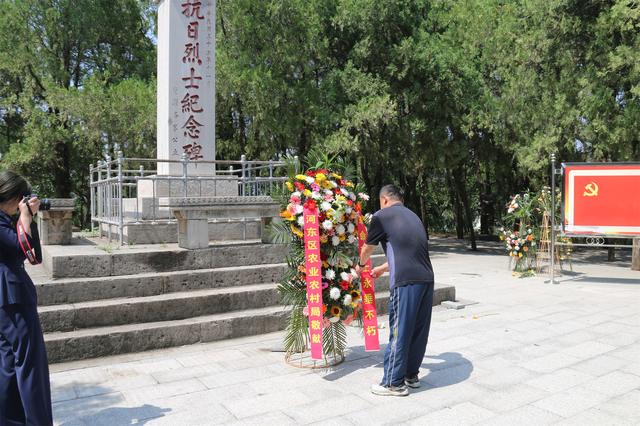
186 85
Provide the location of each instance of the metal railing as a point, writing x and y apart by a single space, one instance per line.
115 183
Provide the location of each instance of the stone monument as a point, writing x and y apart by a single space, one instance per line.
186 84
185 108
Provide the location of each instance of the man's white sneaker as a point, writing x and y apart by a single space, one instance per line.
389 390
412 382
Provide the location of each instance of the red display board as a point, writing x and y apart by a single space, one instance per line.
602 199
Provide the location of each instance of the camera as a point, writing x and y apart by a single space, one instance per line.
45 203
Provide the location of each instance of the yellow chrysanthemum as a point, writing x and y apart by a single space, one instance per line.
289 186
301 177
321 177
286 214
335 175
307 193
349 184
296 231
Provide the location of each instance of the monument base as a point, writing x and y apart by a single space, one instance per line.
148 206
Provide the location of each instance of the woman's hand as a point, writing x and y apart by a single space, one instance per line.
33 204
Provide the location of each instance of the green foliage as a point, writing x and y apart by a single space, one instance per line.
459 102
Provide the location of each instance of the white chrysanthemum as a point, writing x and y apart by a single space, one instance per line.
340 229
334 184
325 205
327 224
348 210
351 227
299 209
353 272
328 192
334 293
310 180
345 276
335 240
296 194
351 239
352 195
316 196
301 220
330 274
363 196
334 319
347 300
339 217
344 192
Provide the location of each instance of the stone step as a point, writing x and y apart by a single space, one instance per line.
103 341
163 307
137 337
76 290
96 261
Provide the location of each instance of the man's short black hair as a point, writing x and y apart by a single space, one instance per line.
392 191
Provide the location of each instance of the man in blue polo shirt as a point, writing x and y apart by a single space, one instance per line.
404 240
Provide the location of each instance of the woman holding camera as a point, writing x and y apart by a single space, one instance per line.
25 393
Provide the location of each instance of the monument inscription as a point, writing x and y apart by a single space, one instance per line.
186 84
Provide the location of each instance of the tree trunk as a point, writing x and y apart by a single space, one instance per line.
455 202
464 197
611 251
635 255
62 174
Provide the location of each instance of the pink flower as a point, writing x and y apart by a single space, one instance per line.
315 187
305 311
325 284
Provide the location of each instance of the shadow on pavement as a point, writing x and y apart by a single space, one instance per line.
445 369
88 410
603 280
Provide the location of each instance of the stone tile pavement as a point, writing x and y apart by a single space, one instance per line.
527 353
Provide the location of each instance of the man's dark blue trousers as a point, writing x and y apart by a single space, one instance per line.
410 309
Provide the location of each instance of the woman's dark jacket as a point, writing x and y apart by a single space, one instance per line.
15 284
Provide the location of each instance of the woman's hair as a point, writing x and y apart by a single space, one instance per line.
12 186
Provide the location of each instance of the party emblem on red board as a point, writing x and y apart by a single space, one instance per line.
601 199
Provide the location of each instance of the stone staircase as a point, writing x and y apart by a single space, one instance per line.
99 301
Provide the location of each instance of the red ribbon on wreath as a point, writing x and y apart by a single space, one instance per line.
367 288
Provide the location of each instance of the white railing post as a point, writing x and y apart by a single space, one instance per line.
243 160
109 200
120 199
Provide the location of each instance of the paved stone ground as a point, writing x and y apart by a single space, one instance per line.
527 353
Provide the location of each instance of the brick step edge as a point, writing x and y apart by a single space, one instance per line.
105 341
78 290
163 307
